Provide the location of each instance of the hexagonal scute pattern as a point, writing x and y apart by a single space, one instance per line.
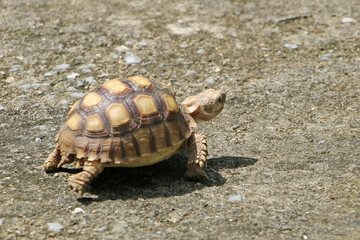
123 120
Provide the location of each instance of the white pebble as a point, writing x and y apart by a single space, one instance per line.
90 80
1 222
348 20
143 44
64 102
55 227
114 55
129 43
210 80
122 49
104 75
51 73
236 198
181 30
16 68
190 72
325 57
40 127
86 68
77 95
63 66
291 46
2 107
131 58
78 210
72 76
201 51
72 89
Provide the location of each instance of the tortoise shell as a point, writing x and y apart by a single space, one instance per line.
124 122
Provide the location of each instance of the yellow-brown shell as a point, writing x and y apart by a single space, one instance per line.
124 122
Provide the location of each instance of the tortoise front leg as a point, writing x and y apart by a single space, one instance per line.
55 160
197 149
52 161
80 181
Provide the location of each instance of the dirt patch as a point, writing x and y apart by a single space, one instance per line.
284 155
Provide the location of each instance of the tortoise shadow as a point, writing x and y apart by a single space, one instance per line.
164 179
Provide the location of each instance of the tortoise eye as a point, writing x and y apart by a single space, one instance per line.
219 100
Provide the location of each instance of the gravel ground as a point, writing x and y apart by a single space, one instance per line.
284 154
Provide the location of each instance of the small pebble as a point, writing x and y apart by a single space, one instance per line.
236 198
77 95
2 108
114 56
64 102
72 76
2 74
72 89
55 227
86 68
122 49
210 80
90 80
101 229
78 210
129 43
184 45
4 125
201 51
190 72
181 30
348 20
1 221
291 46
325 57
131 58
41 127
104 75
63 66
143 44
16 68
80 84
51 73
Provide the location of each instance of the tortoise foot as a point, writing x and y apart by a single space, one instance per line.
195 173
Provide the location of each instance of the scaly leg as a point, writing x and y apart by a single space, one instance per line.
80 181
55 160
197 149
51 163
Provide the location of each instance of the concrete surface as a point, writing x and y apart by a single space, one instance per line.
284 155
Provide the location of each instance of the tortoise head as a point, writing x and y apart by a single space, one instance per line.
205 105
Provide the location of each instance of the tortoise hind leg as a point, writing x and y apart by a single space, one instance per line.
52 161
80 181
197 149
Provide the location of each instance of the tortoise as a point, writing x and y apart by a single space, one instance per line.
133 122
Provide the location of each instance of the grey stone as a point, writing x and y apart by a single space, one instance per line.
55 227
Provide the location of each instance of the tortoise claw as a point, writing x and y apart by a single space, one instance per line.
195 173
76 186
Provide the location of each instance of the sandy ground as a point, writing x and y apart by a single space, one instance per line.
284 154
